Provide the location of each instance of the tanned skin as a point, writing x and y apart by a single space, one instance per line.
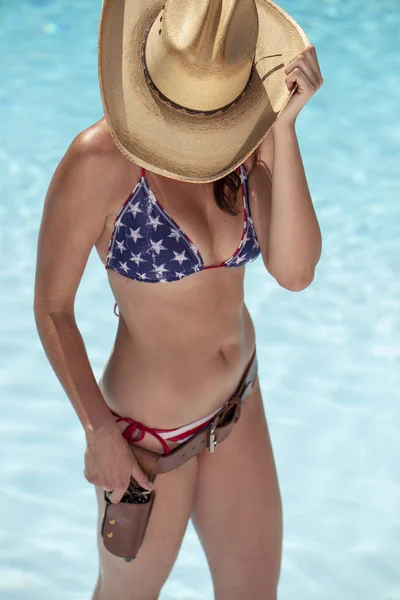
179 353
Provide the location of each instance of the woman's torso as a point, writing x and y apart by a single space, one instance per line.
181 346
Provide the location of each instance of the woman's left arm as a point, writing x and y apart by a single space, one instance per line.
293 243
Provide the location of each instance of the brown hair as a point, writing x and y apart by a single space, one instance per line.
226 201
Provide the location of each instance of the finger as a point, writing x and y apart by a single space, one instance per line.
293 61
141 478
314 53
310 56
303 64
115 496
297 76
91 477
307 60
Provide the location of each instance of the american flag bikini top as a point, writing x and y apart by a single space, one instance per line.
148 245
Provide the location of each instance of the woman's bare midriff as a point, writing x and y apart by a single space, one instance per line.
181 347
177 357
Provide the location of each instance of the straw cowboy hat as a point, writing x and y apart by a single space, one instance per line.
191 87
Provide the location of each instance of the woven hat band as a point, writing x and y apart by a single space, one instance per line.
175 105
202 62
224 96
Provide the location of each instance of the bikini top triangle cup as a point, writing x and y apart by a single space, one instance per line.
148 245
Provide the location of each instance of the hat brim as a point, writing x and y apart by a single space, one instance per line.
167 141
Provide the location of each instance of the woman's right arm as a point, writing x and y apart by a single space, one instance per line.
73 219
74 215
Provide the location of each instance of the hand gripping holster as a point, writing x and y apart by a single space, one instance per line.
124 524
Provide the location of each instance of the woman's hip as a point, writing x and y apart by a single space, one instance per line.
176 420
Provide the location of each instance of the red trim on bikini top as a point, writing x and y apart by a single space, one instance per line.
223 263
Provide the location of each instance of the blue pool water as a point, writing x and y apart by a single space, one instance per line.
329 356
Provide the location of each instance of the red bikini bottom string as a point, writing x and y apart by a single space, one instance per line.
115 312
134 426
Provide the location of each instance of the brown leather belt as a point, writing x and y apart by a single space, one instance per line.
124 524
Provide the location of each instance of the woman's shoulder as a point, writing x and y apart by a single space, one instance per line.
95 141
88 170
93 156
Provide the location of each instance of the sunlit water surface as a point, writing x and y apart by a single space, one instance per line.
329 356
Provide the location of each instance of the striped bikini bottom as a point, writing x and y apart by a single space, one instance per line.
135 431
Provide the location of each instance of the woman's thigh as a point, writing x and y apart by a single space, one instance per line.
143 578
237 509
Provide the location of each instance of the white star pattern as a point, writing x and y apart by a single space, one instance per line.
180 257
134 234
159 270
134 208
137 258
154 222
120 245
144 217
255 241
175 234
151 197
256 245
157 246
239 259
118 224
124 266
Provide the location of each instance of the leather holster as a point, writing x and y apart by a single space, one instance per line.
124 524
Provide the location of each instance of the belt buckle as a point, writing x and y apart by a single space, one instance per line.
212 442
